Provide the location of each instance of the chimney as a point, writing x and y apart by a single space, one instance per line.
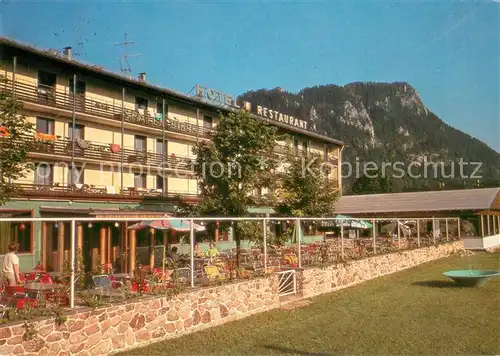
142 77
68 53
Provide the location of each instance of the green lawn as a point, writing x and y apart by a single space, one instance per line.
416 311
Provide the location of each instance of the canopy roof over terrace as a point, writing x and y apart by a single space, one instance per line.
421 203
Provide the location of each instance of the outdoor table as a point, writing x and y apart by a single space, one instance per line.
41 289
55 274
119 276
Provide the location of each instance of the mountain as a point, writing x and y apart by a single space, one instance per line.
387 123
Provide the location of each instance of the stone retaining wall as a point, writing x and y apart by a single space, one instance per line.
137 323
315 281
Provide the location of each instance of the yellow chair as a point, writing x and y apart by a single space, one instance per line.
212 272
291 259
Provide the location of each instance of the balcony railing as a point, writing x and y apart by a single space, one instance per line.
283 150
49 96
87 190
63 147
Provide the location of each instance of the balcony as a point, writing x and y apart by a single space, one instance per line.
48 96
283 150
97 192
63 147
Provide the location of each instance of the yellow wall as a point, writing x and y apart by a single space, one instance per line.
182 185
183 114
181 149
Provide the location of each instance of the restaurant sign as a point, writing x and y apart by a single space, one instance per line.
224 99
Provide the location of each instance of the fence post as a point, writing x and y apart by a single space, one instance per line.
191 235
342 240
446 226
264 225
399 234
418 232
374 231
458 225
297 232
434 230
14 70
73 264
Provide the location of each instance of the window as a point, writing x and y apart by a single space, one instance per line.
295 147
20 232
77 176
43 174
160 146
207 121
78 131
45 126
80 87
160 182
140 180
46 79
141 103
140 143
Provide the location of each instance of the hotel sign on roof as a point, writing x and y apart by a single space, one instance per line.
224 99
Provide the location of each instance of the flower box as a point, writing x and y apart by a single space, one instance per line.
45 137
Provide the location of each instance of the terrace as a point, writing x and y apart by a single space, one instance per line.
207 288
143 258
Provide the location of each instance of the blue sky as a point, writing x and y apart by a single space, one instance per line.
449 51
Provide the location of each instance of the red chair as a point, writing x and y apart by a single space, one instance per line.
46 278
10 291
108 268
26 303
143 287
39 267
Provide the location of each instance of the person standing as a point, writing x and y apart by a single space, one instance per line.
10 267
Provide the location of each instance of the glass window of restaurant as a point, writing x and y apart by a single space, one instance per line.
20 232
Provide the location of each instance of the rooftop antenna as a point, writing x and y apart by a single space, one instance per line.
123 60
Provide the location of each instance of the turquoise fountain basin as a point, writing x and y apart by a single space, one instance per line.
471 277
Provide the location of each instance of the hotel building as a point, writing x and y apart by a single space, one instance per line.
131 146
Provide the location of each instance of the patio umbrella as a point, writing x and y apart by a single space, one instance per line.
176 225
298 235
350 222
392 227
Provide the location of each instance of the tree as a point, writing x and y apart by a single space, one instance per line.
374 184
306 188
230 166
13 152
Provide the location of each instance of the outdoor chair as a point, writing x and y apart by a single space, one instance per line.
290 259
105 287
213 272
183 274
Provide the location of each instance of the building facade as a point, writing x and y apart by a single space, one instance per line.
129 143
